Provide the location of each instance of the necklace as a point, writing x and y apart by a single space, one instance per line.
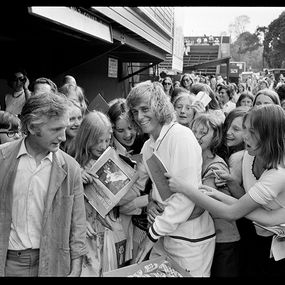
20 93
259 173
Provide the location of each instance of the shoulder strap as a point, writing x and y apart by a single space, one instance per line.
165 135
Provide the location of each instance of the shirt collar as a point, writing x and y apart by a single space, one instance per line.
23 151
164 130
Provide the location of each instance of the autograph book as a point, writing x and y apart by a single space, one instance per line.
116 177
157 170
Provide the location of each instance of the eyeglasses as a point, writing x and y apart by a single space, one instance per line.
19 78
166 83
186 79
10 134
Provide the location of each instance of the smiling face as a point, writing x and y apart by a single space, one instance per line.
145 118
235 132
183 110
124 132
203 134
75 119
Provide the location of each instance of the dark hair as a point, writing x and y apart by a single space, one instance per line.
227 89
186 75
268 123
245 94
11 75
176 91
281 92
224 150
117 107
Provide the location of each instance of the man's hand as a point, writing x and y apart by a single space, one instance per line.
154 209
143 249
76 267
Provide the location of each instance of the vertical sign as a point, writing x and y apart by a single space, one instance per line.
113 68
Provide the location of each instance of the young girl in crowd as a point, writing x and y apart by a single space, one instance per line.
231 150
245 99
208 131
263 174
75 119
128 142
266 96
232 133
183 108
92 139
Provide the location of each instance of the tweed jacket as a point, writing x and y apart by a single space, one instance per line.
64 220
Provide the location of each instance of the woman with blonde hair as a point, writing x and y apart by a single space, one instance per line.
92 139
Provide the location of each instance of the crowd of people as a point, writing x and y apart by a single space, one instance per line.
224 161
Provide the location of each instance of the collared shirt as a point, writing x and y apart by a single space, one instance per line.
228 107
29 193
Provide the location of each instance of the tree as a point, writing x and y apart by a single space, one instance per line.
274 42
248 48
238 26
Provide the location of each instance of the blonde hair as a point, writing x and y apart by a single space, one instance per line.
93 126
158 101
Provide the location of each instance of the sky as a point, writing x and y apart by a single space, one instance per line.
197 21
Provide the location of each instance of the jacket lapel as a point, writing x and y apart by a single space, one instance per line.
57 177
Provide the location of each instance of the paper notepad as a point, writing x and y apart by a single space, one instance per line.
157 170
203 97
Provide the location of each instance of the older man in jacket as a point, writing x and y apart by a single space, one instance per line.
42 213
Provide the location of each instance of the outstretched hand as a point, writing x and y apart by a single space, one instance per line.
211 192
175 184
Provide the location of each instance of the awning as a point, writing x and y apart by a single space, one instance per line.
209 63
